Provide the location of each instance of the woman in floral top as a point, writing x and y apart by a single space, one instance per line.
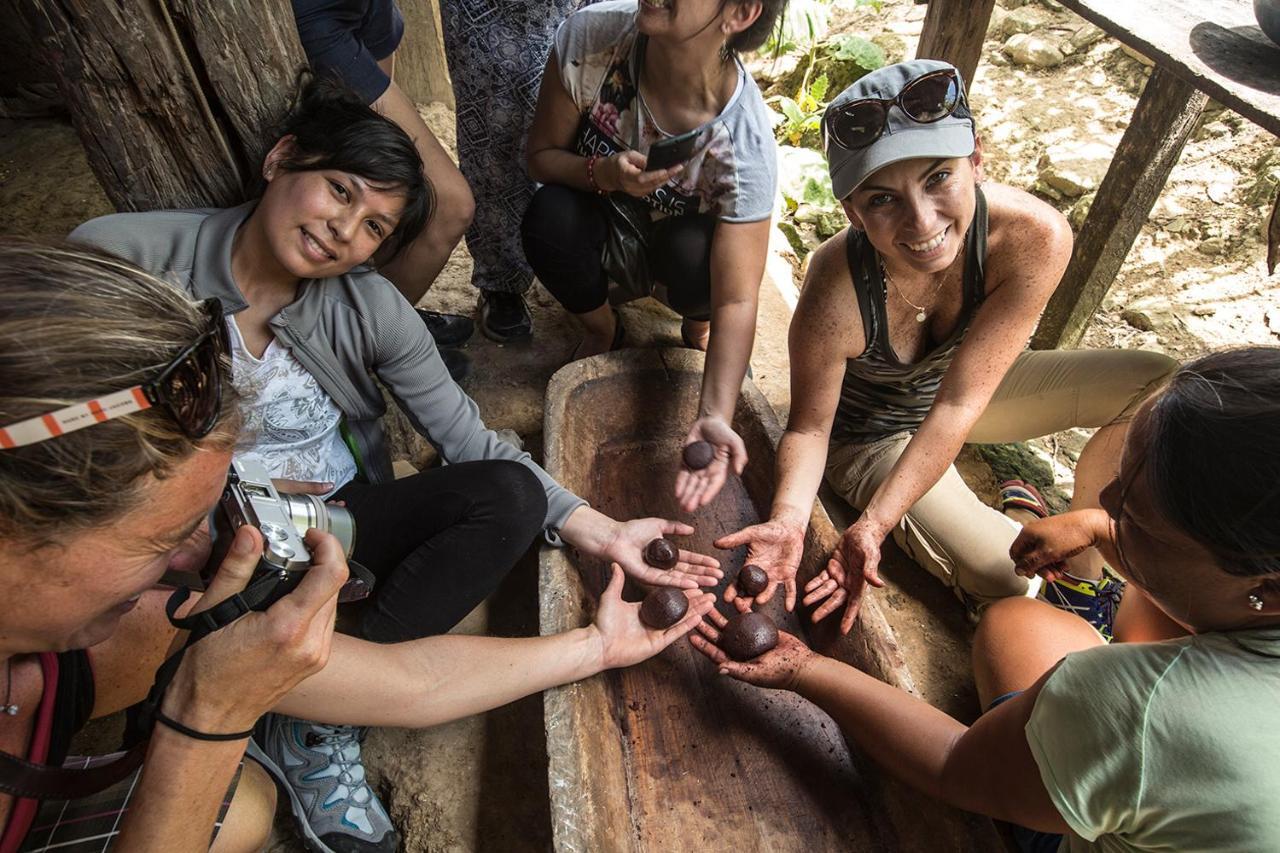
621 77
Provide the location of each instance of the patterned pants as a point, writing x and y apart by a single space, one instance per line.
496 50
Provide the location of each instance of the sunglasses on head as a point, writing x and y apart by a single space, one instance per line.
189 388
926 99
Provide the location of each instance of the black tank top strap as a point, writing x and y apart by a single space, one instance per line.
975 261
73 703
868 287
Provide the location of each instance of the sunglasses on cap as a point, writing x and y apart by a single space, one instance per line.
926 99
189 388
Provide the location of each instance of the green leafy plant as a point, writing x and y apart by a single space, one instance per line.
802 115
867 55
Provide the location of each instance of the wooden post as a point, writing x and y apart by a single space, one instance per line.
421 71
1166 114
953 31
174 100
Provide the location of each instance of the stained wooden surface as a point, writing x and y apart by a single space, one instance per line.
1215 45
953 31
174 100
1167 113
667 755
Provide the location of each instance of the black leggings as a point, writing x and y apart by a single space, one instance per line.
564 232
440 542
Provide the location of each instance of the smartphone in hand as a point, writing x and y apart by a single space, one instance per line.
671 151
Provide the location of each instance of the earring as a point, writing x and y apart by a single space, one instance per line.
1255 601
726 53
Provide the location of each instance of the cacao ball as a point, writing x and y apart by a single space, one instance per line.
752 580
663 607
748 635
662 553
699 455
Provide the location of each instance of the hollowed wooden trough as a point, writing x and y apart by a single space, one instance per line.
668 755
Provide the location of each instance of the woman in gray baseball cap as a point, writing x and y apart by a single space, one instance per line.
909 340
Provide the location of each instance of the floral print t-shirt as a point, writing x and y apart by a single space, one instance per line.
732 174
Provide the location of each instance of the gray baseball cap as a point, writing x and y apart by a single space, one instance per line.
903 137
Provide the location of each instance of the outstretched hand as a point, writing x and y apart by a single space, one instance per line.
698 488
778 668
624 639
776 547
854 564
627 548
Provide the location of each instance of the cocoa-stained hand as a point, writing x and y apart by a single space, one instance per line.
1044 546
854 564
775 546
779 668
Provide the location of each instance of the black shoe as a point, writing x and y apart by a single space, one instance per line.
504 317
457 363
449 330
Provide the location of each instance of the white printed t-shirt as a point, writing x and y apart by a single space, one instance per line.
291 425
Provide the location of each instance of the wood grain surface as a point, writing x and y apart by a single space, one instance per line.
668 755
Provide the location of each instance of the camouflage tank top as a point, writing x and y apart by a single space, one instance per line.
880 395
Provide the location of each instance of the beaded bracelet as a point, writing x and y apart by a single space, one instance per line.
591 175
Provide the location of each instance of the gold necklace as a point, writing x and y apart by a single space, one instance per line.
921 310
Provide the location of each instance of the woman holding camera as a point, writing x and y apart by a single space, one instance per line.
115 437
624 80
909 339
1164 740
310 328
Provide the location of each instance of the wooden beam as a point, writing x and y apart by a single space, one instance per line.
175 101
1166 114
421 71
954 31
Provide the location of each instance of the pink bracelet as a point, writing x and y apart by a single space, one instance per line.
591 175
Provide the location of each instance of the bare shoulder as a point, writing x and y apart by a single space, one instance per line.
1024 234
827 318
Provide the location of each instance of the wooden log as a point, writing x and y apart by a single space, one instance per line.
1166 114
175 101
953 31
665 755
421 70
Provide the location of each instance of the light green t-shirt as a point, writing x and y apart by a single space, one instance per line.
1165 746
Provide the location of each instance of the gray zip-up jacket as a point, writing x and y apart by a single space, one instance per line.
344 330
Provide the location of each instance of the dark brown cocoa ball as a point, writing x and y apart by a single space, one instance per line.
662 553
663 607
752 580
699 455
748 635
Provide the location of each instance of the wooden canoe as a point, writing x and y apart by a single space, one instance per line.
667 755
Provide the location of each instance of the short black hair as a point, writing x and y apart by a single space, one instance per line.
332 128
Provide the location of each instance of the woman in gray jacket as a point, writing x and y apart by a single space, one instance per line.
313 332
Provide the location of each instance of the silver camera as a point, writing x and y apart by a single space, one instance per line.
251 498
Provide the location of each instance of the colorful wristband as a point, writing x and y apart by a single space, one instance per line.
591 175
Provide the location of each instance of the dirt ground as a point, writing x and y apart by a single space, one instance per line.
1194 281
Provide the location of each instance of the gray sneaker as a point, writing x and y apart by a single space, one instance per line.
319 768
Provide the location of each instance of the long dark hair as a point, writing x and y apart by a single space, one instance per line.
758 33
1213 456
332 128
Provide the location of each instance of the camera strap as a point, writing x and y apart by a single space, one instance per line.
22 778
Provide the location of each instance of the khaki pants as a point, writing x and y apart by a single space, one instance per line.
949 531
